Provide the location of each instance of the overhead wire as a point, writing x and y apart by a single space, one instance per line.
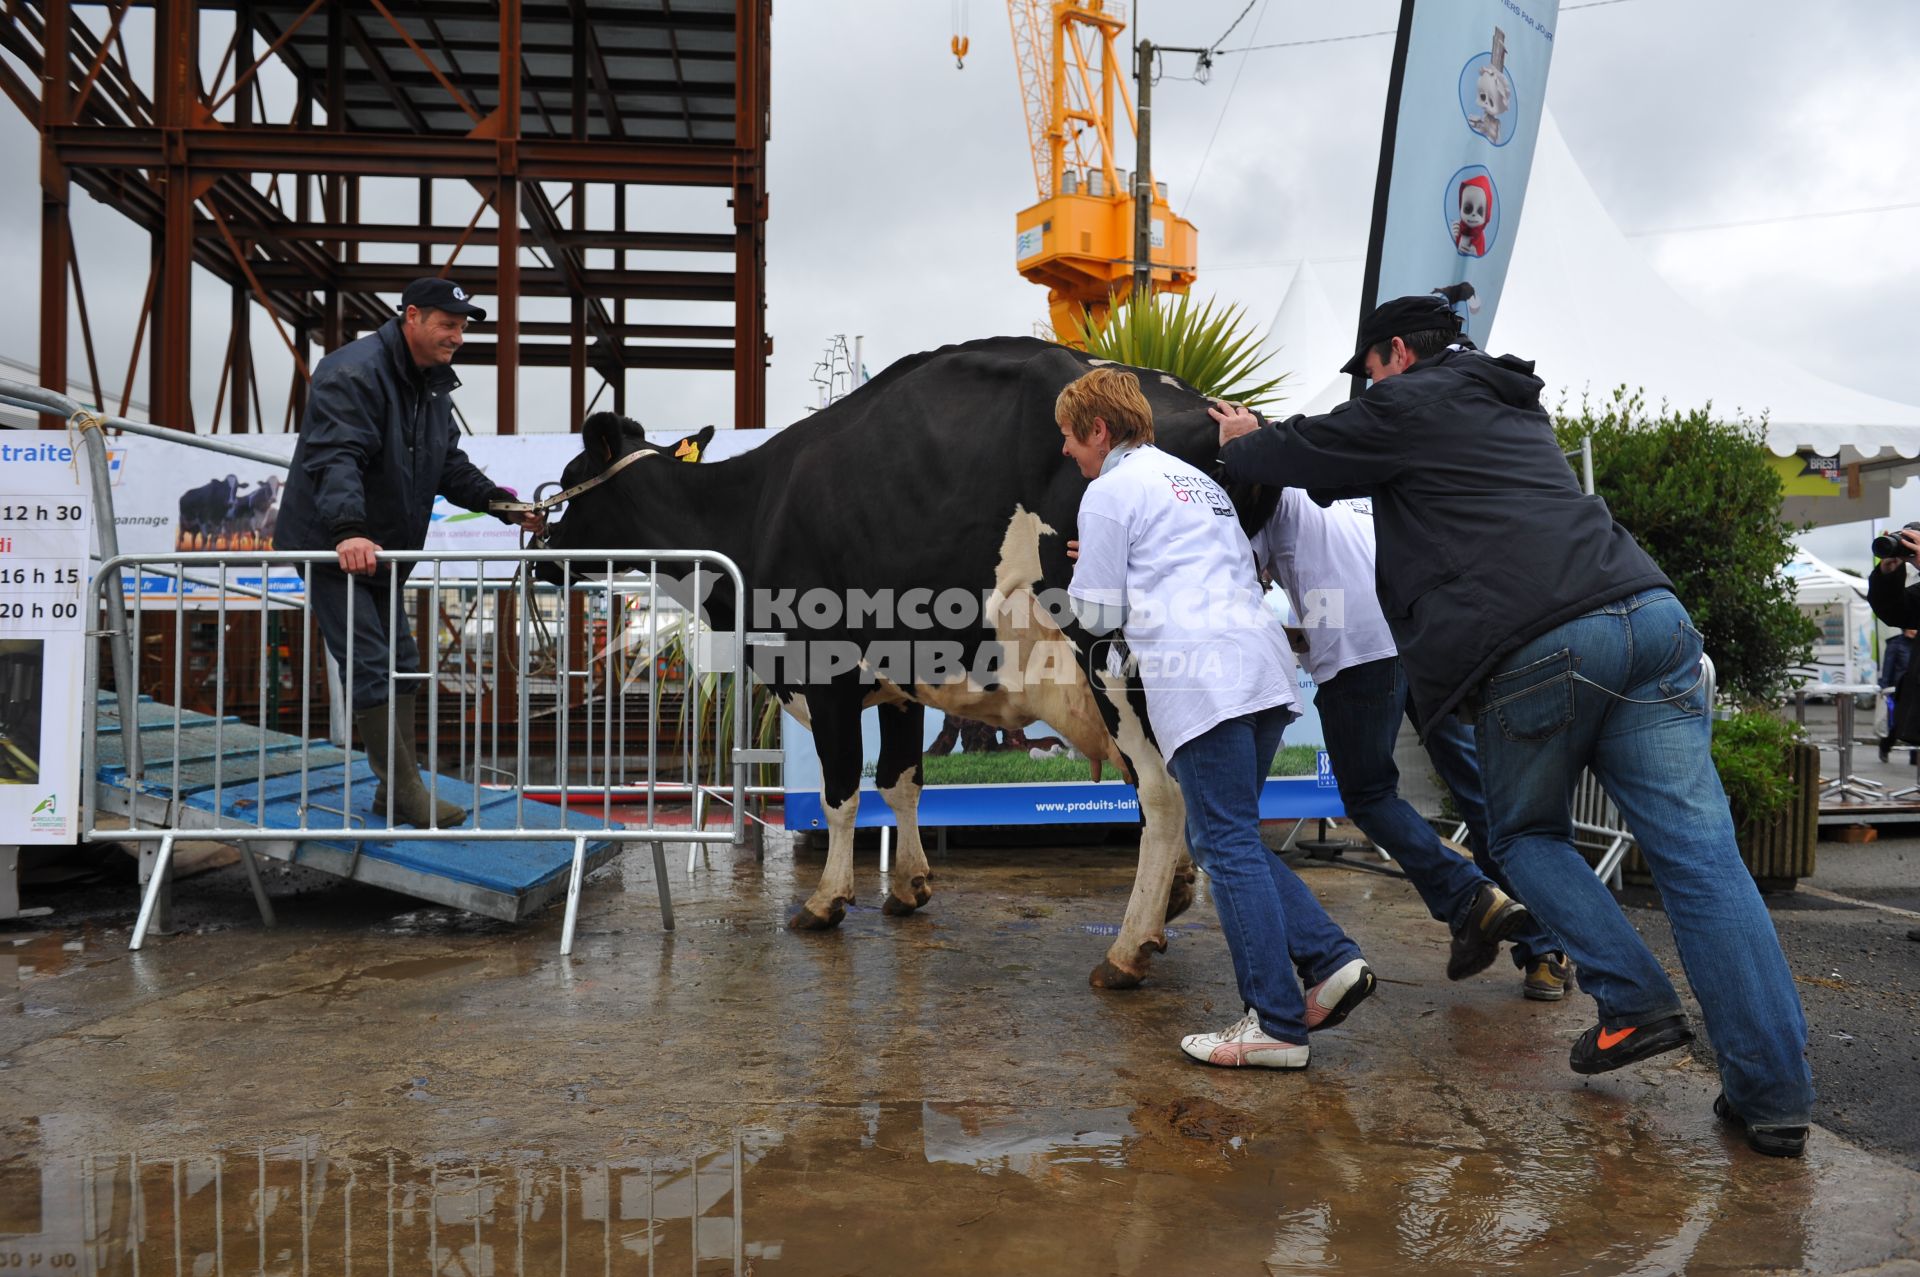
1194 185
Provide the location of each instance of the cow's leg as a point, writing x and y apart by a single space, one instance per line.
1163 851
834 714
899 777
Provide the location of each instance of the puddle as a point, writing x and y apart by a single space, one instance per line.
1179 1185
419 968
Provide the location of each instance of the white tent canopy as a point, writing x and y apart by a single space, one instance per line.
1836 601
1585 305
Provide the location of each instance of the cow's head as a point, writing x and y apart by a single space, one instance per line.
599 517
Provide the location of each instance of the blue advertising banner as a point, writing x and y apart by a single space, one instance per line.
1039 801
977 775
1463 114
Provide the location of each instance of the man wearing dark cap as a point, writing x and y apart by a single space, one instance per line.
377 445
1518 603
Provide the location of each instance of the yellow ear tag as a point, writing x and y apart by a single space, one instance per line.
689 450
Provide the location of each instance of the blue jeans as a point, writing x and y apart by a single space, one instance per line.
1266 912
1360 712
1542 718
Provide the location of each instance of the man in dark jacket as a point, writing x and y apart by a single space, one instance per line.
1894 664
378 443
1898 604
1517 601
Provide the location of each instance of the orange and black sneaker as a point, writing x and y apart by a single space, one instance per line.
1601 1050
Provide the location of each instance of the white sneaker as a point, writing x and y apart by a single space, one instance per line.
1244 1043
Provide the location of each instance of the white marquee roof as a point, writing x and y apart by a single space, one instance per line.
1585 305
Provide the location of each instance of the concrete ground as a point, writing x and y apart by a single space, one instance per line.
381 1087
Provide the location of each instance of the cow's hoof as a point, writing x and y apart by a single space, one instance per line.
805 919
1180 898
922 889
1109 976
895 907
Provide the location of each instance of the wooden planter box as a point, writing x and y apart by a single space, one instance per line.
1778 852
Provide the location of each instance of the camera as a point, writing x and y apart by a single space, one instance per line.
1889 546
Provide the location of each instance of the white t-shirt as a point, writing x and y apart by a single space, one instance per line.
1160 538
1323 558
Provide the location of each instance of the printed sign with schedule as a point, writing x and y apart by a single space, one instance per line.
46 520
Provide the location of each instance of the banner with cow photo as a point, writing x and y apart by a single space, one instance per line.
1463 113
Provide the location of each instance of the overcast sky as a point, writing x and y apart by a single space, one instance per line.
895 179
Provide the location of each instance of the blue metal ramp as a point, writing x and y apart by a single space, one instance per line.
218 786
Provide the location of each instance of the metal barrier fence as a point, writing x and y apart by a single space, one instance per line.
610 618
482 663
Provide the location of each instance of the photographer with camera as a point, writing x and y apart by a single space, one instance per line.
1898 604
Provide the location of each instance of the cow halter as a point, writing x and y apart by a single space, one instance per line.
561 498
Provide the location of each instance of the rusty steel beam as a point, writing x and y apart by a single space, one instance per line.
564 328
557 12
752 56
86 329
174 58
16 89
424 233
557 354
145 159
291 150
99 59
460 99
535 281
560 48
507 340
139 337
56 231
378 65
242 358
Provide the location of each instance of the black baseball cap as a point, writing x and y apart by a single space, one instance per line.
1397 318
434 293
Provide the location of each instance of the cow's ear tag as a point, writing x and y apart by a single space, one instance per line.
688 450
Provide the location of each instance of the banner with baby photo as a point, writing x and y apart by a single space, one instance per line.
1463 113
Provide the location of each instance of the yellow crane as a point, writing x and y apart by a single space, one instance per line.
1077 240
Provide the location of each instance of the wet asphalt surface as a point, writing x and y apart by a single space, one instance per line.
374 1078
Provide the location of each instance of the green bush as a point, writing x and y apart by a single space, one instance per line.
1700 496
1750 750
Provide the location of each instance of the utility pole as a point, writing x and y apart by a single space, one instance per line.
1143 176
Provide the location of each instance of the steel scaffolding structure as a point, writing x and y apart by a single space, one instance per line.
527 103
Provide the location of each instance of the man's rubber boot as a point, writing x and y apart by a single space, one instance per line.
411 805
446 814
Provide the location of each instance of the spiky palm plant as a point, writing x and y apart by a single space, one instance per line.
1211 348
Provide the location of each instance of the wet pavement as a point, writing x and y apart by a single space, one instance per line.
374 1087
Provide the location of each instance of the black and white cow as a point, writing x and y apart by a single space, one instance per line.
254 511
204 510
940 479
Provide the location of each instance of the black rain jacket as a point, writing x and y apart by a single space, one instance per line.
378 443
1898 604
1485 539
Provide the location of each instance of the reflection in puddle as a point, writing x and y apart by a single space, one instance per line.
294 1209
1024 1142
1184 1184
